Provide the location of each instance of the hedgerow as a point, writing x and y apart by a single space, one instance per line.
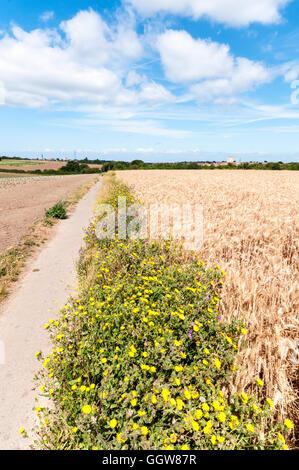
143 359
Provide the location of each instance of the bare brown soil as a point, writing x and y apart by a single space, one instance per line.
25 200
40 165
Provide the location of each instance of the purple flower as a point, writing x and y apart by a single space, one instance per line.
190 334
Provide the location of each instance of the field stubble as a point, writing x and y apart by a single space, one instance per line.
251 231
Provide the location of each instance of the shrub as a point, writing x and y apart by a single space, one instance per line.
58 211
142 359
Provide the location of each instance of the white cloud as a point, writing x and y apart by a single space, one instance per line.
47 15
2 94
44 67
186 59
230 12
246 76
133 78
145 127
291 73
210 68
148 91
154 92
94 42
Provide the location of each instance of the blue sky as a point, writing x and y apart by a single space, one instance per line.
167 80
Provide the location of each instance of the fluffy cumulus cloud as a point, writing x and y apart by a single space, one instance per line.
208 67
230 12
86 61
186 59
79 62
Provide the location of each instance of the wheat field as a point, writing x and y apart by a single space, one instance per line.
251 231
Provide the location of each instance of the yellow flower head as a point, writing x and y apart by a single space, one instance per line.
249 427
288 423
113 423
144 431
86 409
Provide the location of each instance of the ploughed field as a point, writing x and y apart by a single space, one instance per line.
251 231
32 165
23 200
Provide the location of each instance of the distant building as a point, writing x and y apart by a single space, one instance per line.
230 160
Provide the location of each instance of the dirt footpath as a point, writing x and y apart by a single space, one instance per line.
24 200
40 295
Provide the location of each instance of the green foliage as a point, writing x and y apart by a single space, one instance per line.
74 166
139 164
143 359
58 211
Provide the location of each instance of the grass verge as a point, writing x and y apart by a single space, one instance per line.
142 360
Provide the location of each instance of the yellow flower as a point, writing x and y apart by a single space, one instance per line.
154 399
86 409
217 364
205 407
288 423
243 331
280 436
206 430
141 412
113 423
179 404
213 440
185 447
173 438
21 431
195 426
187 394
270 402
144 431
120 437
74 430
165 394
134 402
284 447
221 417
259 382
135 426
198 414
249 427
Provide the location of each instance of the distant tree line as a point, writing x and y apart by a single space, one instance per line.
139 164
81 166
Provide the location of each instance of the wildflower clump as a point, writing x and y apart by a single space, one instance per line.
142 359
